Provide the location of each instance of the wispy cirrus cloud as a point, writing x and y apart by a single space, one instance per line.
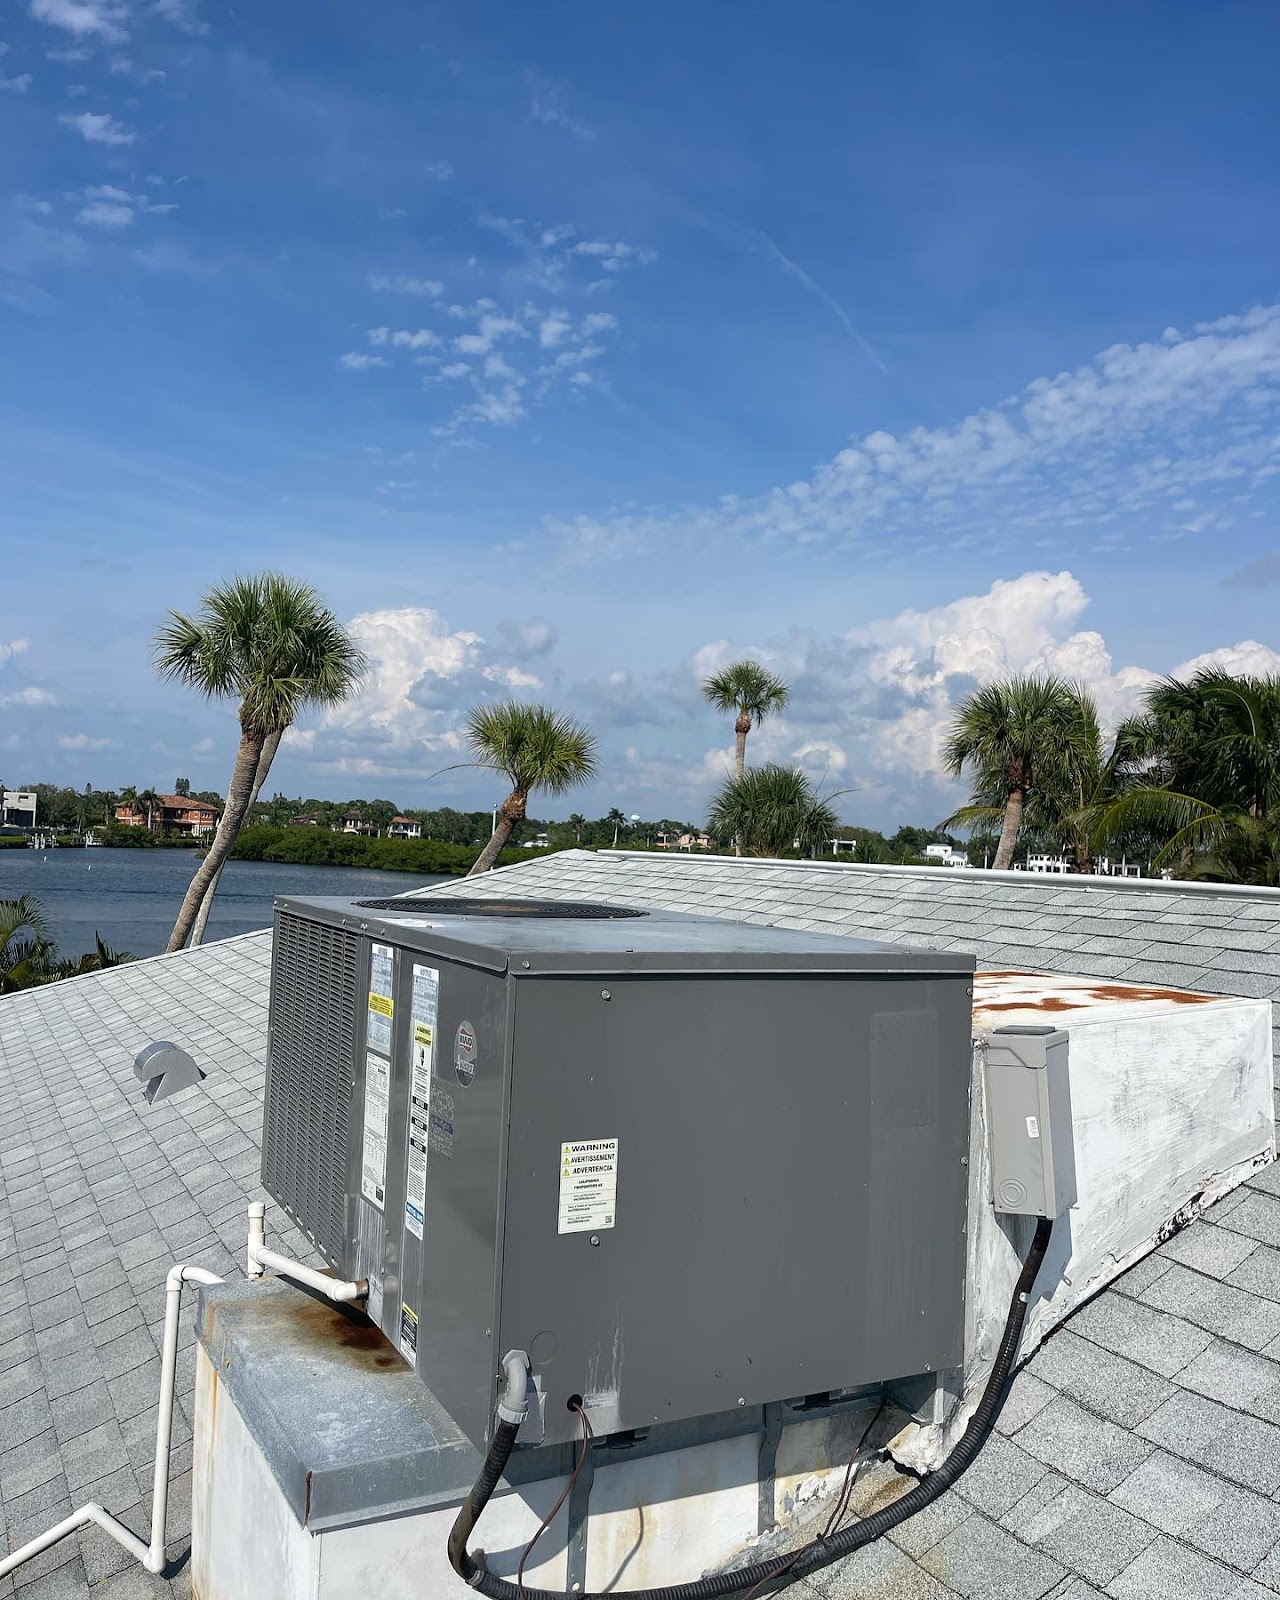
1172 439
549 105
400 283
99 127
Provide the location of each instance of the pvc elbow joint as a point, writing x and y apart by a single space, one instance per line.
513 1406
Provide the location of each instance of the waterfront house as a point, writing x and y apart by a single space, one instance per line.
171 813
404 828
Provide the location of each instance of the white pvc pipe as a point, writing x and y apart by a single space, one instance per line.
152 1556
259 1258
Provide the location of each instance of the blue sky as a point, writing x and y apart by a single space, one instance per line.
570 351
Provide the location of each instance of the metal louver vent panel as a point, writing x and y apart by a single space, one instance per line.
308 1103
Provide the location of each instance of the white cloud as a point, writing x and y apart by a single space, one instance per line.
441 171
109 207
99 127
1162 440
360 361
27 698
422 288
69 57
83 18
182 14
547 104
15 647
555 329
19 84
1247 658
423 676
82 741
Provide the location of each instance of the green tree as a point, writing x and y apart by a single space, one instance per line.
270 642
25 949
1204 758
577 822
536 748
182 787
770 811
616 820
752 693
1015 738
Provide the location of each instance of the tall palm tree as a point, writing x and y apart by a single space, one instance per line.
617 818
537 748
1017 737
272 643
770 810
752 693
149 800
577 822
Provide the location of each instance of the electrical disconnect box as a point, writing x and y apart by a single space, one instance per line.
1028 1090
687 1164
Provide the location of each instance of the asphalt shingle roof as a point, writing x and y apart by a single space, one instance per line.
1138 1456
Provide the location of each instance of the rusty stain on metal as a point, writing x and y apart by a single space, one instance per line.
302 1320
1050 1003
1179 997
1053 993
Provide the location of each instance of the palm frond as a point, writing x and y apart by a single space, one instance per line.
746 687
536 746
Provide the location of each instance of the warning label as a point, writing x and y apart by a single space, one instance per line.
373 1160
408 1336
381 1005
588 1185
426 997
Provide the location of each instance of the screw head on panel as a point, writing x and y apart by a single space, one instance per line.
595 1239
605 995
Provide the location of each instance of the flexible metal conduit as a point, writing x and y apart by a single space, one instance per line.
152 1555
819 1552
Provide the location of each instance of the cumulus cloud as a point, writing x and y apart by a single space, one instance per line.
360 361
14 647
82 741
27 698
183 14
106 206
423 676
99 127
18 84
1171 439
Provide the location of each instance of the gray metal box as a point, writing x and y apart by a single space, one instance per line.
1033 1169
687 1164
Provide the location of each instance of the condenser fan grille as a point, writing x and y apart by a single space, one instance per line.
580 910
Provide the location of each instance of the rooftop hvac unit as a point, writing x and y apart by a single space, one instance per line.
687 1164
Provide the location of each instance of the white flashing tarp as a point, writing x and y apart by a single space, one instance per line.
1171 1099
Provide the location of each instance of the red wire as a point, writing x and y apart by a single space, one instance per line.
568 1490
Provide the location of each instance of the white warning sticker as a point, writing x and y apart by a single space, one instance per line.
588 1184
381 1004
426 997
373 1159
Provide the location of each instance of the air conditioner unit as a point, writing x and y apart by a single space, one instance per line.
687 1164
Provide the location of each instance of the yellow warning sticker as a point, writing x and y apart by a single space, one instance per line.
382 1004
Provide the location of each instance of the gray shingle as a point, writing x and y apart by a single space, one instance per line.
1166 1570
176 1177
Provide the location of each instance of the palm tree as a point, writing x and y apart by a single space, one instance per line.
25 949
271 642
617 818
771 810
1017 737
750 691
537 748
149 800
1208 757
577 822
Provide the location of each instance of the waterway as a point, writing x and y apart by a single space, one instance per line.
131 897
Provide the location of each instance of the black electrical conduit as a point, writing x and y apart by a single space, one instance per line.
819 1552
